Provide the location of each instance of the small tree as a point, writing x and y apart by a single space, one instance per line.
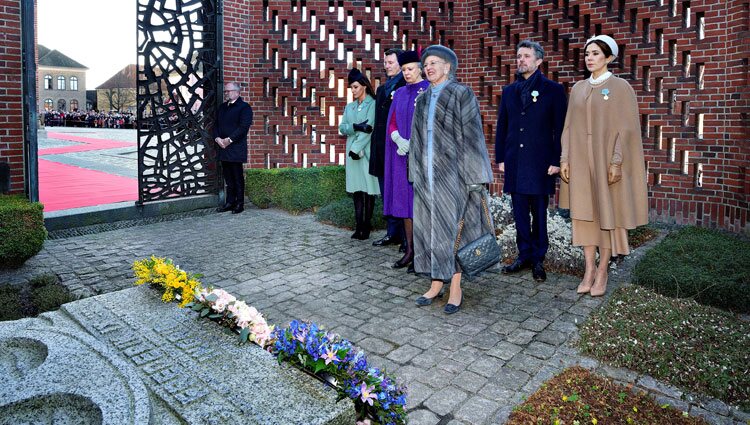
119 91
119 98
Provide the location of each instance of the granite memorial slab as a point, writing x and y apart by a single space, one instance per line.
127 358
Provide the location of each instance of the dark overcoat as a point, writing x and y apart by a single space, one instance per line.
460 158
233 121
380 128
528 138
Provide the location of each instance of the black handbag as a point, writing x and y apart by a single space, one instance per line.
479 254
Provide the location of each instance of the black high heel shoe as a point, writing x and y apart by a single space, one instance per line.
404 261
453 308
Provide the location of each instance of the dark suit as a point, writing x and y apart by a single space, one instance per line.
383 99
528 142
233 121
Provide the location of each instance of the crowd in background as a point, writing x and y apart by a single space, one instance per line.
91 119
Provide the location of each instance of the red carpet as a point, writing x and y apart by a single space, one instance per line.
64 186
87 144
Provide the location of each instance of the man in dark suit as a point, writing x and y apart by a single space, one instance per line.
383 98
527 149
233 121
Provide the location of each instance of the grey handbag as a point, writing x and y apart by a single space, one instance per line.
479 254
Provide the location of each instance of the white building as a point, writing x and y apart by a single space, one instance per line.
62 82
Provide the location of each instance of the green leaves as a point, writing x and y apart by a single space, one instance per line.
319 365
244 335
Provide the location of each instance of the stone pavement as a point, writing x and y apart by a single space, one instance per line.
511 334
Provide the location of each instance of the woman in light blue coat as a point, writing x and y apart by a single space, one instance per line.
356 124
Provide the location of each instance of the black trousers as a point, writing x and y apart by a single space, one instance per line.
530 214
234 178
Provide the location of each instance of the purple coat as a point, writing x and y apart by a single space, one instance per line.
398 194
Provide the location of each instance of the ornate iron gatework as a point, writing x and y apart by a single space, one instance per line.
178 52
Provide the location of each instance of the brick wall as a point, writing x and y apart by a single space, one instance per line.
687 61
11 120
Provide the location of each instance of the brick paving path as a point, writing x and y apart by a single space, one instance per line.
511 334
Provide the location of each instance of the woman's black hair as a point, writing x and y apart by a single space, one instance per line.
368 86
602 45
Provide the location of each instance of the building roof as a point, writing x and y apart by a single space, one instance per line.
54 58
123 79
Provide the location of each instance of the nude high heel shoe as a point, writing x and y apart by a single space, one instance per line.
598 290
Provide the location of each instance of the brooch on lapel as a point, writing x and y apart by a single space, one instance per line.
394 91
605 93
418 93
534 95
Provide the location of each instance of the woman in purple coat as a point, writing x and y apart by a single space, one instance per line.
398 194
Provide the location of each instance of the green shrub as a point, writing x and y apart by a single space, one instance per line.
22 231
43 280
295 189
50 297
40 294
341 214
710 266
10 307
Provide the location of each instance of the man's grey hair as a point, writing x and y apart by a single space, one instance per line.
533 45
234 85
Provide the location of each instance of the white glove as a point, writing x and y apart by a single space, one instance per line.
403 144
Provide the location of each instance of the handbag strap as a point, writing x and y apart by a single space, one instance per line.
463 217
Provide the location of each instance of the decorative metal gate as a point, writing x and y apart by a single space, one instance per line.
178 71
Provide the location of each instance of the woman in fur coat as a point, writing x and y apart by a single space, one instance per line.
448 165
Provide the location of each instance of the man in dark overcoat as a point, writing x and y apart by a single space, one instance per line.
233 121
383 98
527 149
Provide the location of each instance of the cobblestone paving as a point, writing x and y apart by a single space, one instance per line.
510 336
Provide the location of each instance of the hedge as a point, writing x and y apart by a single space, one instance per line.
295 189
710 266
22 231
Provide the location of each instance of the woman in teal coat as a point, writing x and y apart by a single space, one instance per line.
356 124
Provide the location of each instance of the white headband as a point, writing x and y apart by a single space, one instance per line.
610 42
